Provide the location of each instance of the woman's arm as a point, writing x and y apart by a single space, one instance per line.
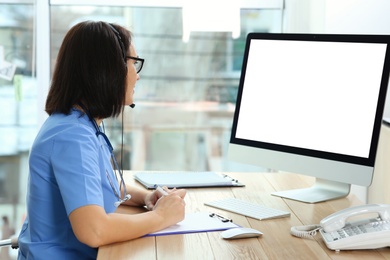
92 226
142 197
138 196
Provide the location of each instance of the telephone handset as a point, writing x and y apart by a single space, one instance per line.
362 234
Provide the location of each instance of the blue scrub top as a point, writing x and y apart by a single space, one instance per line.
68 164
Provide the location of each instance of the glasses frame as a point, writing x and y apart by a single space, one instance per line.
137 59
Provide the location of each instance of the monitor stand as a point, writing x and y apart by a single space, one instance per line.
322 190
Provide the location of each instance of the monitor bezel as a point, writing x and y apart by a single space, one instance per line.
370 160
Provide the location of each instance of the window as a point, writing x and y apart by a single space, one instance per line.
186 95
18 99
184 100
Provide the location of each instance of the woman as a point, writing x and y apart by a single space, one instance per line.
72 189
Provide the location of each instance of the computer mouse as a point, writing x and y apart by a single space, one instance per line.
241 232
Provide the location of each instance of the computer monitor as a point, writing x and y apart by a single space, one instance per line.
312 104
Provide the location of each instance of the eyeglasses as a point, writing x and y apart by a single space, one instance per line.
138 63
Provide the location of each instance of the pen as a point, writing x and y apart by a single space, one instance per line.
161 190
222 218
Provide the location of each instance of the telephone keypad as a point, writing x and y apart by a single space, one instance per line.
373 225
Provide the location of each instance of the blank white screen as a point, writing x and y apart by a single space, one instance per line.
315 95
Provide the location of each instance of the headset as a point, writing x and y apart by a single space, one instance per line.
122 46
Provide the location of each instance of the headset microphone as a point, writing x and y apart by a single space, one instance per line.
132 105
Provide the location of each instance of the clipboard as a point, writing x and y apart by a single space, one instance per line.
185 179
197 222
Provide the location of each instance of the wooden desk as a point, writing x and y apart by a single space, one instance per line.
276 243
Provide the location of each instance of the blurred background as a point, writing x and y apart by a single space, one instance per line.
186 96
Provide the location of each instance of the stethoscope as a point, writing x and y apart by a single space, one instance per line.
114 162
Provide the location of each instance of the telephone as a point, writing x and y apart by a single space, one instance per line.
339 235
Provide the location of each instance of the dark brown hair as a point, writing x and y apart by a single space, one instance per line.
91 70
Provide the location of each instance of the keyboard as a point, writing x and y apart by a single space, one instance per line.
247 209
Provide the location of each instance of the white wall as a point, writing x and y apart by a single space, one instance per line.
359 17
339 16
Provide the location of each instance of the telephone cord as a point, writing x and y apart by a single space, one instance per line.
308 231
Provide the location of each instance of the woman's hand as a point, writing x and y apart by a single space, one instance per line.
171 207
152 198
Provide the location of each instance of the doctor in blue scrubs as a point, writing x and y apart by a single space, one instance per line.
75 184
